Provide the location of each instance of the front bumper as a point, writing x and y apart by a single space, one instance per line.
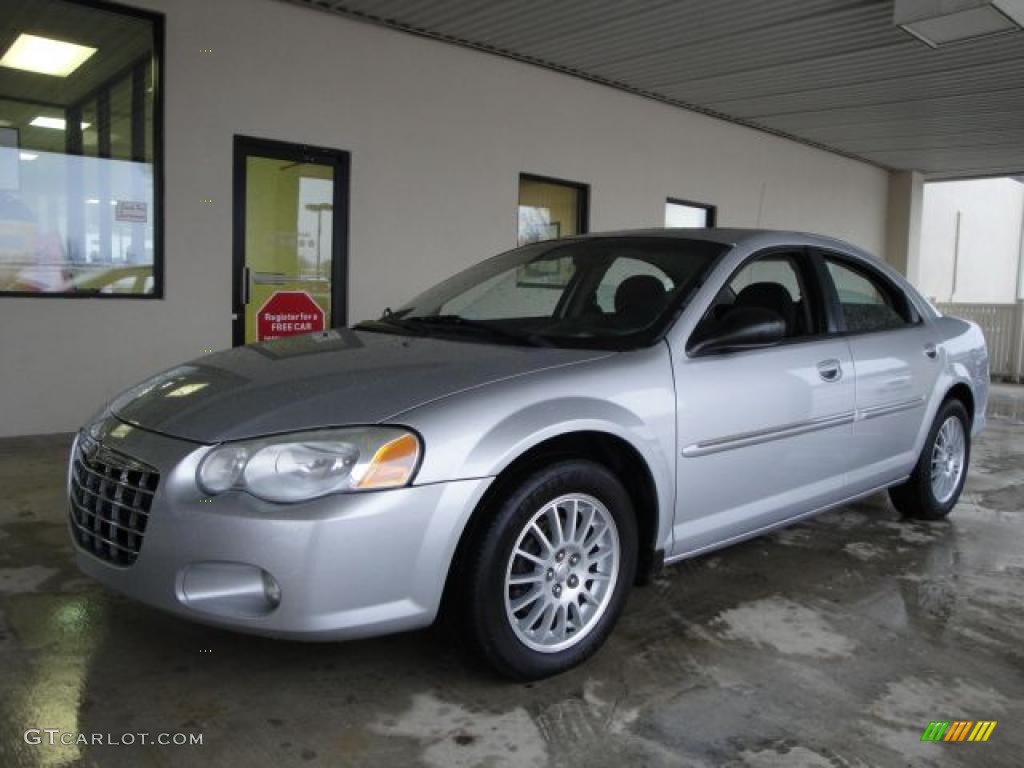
349 565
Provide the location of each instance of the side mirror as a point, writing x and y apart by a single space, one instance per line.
740 328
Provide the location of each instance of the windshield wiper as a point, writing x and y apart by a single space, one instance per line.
458 323
390 325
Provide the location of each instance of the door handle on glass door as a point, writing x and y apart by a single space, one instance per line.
830 370
246 284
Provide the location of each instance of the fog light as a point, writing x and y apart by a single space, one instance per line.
271 590
228 589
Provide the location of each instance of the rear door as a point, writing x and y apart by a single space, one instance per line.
896 361
763 433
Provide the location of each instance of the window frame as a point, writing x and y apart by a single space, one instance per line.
157 19
810 285
582 213
709 209
901 301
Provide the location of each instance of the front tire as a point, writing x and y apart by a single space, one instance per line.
938 479
551 572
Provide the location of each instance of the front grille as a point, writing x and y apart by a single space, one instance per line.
111 496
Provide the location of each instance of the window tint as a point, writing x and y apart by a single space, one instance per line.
868 304
770 282
620 271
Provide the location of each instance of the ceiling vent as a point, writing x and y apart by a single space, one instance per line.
941 22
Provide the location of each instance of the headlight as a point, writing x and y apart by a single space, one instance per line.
307 465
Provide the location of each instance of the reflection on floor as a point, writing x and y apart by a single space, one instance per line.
832 643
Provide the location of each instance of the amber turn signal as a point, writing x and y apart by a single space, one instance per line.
393 464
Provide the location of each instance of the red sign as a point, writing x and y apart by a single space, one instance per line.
288 313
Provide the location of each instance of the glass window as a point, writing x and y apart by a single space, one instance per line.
682 214
868 305
622 270
609 292
529 290
770 282
550 209
78 199
779 270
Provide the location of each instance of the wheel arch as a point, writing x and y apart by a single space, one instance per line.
612 451
962 392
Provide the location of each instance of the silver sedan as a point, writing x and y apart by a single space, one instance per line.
528 439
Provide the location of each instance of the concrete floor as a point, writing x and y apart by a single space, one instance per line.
832 643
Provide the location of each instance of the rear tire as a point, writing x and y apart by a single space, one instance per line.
550 573
934 487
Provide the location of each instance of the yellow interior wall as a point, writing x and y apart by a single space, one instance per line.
271 235
562 201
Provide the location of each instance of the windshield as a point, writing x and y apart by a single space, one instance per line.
608 292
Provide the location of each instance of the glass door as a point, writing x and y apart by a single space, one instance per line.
290 239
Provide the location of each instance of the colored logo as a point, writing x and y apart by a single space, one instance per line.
958 730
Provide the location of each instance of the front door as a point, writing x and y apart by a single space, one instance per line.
290 239
764 433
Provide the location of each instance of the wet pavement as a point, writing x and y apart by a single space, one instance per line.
831 643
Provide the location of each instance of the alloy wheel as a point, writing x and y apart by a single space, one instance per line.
947 463
562 573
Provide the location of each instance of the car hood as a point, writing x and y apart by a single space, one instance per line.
327 379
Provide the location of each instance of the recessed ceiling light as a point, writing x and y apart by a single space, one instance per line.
45 56
940 22
57 123
28 156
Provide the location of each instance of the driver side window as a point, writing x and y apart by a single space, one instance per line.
773 282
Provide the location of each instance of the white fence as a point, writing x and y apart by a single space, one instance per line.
1003 326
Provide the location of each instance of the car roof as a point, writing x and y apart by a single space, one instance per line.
733 236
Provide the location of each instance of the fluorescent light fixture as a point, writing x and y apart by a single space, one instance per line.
26 156
940 22
45 56
1012 8
57 123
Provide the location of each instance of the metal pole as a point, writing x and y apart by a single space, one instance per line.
956 255
319 225
1018 327
1020 253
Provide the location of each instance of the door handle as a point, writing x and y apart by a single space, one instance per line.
830 370
930 350
246 287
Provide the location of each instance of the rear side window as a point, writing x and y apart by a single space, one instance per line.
869 303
